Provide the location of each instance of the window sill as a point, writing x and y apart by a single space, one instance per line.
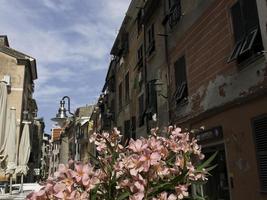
248 62
183 102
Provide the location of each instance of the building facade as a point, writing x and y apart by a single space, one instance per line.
18 71
46 154
196 64
218 80
55 150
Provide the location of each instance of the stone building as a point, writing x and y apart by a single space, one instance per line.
82 116
19 72
35 159
55 147
74 136
46 154
196 64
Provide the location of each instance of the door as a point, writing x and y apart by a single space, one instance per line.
217 187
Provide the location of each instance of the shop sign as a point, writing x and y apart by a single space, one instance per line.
212 134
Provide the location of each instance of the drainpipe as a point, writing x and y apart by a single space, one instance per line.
167 61
145 82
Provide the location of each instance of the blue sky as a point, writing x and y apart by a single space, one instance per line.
71 41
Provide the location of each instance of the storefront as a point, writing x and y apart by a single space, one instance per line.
238 135
212 141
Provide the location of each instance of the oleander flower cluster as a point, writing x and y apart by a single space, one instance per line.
160 167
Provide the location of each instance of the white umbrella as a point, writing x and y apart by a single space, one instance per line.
10 145
3 108
24 152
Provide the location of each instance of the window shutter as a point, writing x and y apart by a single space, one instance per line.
127 131
180 71
238 24
152 96
141 110
260 132
127 87
250 14
133 127
180 79
120 96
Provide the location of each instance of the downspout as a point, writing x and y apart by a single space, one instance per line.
167 61
145 74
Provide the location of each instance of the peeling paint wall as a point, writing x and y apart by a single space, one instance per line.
224 89
212 81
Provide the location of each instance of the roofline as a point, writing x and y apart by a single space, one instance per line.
106 79
132 3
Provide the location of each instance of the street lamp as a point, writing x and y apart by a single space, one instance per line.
61 116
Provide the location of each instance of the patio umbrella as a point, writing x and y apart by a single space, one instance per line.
10 145
24 152
3 105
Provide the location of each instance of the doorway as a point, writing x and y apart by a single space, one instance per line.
217 187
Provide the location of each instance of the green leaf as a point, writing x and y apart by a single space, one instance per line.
207 162
93 193
124 196
211 168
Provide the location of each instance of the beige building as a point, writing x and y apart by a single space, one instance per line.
55 149
19 72
135 93
74 140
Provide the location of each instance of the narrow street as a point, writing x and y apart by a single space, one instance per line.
133 99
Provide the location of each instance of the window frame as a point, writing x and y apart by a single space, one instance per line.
246 33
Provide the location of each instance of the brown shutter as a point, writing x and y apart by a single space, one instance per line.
260 134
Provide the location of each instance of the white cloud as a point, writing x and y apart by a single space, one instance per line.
57 5
70 39
47 93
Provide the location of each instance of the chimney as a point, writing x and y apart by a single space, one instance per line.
4 40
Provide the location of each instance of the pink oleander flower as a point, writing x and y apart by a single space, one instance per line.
181 191
138 171
137 146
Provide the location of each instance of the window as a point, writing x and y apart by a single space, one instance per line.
181 92
152 98
173 3
139 20
140 56
175 12
260 129
133 127
120 96
141 110
125 43
246 30
127 88
127 131
151 40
